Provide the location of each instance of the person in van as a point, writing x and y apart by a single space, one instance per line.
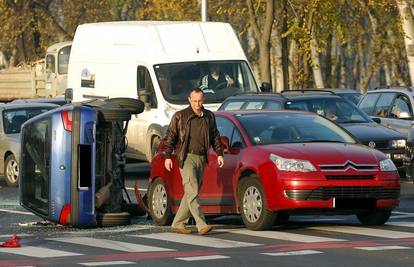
215 79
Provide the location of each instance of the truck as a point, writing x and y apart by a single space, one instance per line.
43 78
157 62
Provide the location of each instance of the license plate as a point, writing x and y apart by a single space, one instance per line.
354 203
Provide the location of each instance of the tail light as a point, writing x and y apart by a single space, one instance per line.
65 215
67 119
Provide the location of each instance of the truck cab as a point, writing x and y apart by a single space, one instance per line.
56 68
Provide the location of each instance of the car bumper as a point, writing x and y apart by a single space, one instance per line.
305 194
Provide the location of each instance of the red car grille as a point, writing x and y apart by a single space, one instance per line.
349 177
324 193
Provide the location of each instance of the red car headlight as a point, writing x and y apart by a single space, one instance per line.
292 165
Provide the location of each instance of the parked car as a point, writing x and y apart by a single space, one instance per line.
393 108
389 141
282 162
12 118
58 100
73 160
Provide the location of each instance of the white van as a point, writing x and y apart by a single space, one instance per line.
157 62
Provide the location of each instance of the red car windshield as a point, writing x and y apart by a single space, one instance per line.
276 128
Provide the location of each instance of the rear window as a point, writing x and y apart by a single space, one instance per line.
14 118
35 176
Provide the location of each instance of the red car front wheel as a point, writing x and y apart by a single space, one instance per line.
252 203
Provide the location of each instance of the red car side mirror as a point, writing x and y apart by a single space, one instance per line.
225 142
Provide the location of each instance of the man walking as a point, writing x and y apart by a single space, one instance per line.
191 133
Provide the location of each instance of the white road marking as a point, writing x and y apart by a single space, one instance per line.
401 215
364 231
106 263
110 244
203 258
382 248
293 253
10 236
198 240
404 223
284 236
17 212
38 252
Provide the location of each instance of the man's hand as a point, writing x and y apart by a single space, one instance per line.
220 161
230 82
168 164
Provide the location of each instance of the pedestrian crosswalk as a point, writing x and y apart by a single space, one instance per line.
159 242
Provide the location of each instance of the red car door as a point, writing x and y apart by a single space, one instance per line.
216 195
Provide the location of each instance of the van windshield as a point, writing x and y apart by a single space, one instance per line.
218 79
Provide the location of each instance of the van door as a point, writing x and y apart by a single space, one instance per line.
139 136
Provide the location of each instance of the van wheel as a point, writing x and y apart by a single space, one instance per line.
134 106
11 171
252 203
374 217
115 114
159 204
113 219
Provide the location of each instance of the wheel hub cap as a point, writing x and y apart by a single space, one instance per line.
252 204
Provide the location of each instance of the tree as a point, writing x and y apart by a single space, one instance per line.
408 29
262 29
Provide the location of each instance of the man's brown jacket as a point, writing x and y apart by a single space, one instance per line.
178 134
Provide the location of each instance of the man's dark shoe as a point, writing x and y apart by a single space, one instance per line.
182 230
205 230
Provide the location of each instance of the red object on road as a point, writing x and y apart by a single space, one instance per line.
12 243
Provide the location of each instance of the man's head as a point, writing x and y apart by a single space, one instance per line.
196 99
214 68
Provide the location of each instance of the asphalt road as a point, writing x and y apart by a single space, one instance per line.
305 241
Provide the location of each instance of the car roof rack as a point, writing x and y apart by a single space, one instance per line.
305 91
408 88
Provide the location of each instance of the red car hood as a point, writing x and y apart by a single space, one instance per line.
326 153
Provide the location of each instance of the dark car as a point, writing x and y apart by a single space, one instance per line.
271 171
334 107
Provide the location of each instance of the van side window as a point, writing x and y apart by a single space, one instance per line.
145 86
401 104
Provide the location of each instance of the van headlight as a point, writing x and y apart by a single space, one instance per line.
292 165
398 143
386 165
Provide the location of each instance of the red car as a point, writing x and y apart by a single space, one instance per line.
277 163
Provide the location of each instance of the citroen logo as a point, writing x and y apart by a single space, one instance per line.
371 144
